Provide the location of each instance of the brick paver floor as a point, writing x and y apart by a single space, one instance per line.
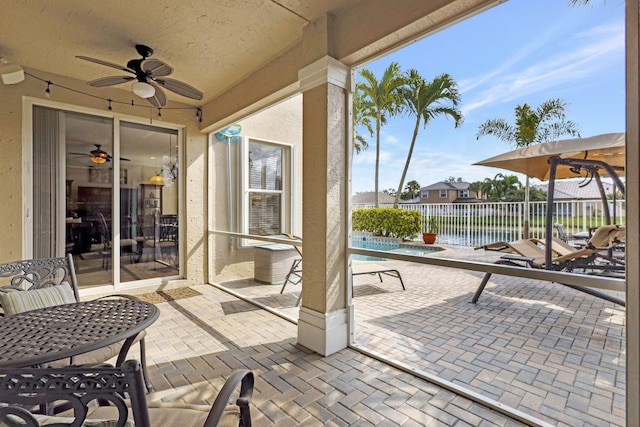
198 341
544 349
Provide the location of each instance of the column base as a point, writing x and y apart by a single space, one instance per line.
324 333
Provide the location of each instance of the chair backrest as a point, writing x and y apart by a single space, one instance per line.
105 230
168 228
79 386
604 236
562 234
39 273
298 244
75 386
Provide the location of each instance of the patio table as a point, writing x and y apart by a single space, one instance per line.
41 336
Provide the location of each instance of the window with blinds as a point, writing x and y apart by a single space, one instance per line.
265 188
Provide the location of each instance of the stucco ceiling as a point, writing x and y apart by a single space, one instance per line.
210 44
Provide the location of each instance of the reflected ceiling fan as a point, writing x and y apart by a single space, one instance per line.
99 156
149 75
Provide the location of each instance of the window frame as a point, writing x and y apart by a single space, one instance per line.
286 191
443 194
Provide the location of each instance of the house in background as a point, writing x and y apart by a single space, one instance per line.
567 191
368 198
577 189
448 192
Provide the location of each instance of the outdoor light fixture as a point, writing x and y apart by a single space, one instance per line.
143 89
11 73
157 179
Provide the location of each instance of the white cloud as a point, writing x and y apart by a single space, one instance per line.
391 139
594 51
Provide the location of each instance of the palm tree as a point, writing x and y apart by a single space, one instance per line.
426 101
412 187
476 187
383 97
505 185
546 123
362 113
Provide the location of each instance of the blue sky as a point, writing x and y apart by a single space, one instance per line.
521 51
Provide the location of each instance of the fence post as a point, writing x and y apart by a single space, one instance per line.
520 219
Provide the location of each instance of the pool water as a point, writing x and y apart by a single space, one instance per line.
387 245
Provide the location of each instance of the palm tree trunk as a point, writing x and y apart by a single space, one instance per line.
526 209
377 160
406 165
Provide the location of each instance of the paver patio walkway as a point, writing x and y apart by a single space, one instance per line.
198 341
542 348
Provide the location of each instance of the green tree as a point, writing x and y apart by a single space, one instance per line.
382 97
362 114
412 188
453 179
503 186
426 101
477 188
545 123
535 195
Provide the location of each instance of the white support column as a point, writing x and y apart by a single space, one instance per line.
633 211
322 324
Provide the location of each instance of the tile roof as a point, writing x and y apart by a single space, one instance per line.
442 185
368 197
577 189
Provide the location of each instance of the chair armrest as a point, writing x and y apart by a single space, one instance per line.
518 258
244 377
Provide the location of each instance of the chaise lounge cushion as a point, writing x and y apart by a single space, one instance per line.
45 420
175 414
15 302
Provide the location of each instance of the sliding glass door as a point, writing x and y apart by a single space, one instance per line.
106 191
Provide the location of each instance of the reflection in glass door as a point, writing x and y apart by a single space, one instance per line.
88 142
148 202
75 211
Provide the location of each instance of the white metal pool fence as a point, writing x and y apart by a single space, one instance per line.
474 224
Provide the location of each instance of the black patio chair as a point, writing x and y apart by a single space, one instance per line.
55 281
81 388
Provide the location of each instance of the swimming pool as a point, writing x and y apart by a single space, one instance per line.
366 241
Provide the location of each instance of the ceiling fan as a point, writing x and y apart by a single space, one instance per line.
98 155
149 75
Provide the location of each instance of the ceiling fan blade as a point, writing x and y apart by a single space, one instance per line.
156 67
80 154
158 99
125 160
180 88
108 64
110 81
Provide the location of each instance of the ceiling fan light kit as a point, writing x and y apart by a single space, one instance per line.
143 89
11 73
99 156
98 160
149 75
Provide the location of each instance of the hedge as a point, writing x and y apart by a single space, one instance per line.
387 222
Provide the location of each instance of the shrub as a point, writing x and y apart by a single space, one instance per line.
387 222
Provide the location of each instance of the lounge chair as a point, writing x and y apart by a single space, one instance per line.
596 257
294 276
370 268
97 397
